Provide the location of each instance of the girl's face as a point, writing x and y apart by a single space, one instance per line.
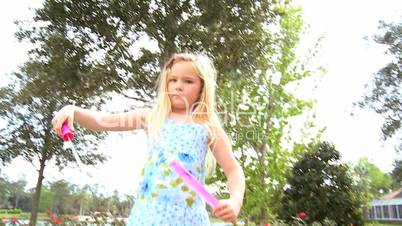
184 86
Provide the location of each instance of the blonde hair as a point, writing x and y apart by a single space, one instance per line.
205 110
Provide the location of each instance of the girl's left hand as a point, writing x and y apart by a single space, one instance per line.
227 210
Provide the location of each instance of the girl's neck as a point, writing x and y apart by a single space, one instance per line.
181 116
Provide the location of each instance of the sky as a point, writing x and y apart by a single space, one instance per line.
350 61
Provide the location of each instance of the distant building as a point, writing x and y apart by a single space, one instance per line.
387 208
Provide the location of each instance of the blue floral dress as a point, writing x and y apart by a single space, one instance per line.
163 198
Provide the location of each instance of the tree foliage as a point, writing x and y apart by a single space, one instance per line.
372 179
322 187
385 96
396 174
63 197
27 108
120 45
258 113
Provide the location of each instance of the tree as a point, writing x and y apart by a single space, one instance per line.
385 96
371 178
17 191
127 41
46 199
27 106
81 200
62 197
4 192
396 174
258 113
321 186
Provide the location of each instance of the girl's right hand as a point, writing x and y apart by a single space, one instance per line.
227 210
63 115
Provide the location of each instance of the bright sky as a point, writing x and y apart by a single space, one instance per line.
349 58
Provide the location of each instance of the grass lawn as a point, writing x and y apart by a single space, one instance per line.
381 224
24 215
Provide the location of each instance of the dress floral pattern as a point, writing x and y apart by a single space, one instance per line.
163 199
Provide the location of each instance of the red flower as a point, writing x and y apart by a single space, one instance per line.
266 224
14 220
56 221
302 214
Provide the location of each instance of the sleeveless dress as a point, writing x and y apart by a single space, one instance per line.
163 199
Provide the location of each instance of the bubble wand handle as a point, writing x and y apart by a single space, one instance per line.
191 181
66 133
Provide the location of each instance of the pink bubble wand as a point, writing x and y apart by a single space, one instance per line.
68 135
191 181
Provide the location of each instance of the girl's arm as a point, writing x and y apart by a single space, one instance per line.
97 121
228 210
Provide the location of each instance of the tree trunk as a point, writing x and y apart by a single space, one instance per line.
35 201
80 211
263 156
16 202
263 215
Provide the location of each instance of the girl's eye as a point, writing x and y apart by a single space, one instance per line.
189 81
173 80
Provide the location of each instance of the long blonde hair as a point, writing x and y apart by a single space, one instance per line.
204 112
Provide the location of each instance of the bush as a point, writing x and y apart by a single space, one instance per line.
14 211
320 189
10 211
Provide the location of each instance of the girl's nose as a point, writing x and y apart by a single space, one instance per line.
179 86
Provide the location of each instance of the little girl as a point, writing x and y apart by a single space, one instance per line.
183 126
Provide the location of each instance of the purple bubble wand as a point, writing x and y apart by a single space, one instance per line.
191 181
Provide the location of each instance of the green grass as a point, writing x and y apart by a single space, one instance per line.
382 224
24 215
213 220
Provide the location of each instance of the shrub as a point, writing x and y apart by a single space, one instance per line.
320 188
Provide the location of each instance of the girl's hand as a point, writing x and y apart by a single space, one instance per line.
65 114
227 210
